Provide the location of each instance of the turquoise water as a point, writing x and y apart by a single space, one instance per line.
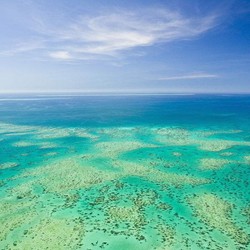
125 172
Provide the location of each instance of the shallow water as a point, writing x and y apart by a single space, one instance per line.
125 172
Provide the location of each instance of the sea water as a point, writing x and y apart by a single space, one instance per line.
124 172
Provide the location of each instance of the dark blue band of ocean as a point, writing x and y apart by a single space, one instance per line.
128 110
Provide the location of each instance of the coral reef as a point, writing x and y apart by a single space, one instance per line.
217 213
8 165
213 163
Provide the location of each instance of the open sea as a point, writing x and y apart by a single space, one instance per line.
135 172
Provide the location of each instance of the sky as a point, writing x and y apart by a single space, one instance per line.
138 46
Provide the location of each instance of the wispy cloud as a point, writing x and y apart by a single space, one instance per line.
190 76
112 34
62 55
24 48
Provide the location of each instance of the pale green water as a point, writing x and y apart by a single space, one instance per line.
116 173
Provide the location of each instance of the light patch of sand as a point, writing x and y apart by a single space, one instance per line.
217 213
23 190
131 214
69 174
216 132
72 174
215 145
154 175
119 132
54 133
226 153
53 233
11 128
43 132
11 205
177 154
14 213
42 145
171 132
213 163
8 165
112 149
11 223
172 136
23 144
51 154
247 159
182 137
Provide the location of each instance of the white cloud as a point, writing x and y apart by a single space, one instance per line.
24 48
190 76
62 55
112 34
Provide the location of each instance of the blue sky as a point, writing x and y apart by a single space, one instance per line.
125 46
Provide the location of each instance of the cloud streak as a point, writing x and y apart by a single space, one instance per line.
116 33
188 77
25 47
113 34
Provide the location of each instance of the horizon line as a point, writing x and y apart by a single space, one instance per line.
106 93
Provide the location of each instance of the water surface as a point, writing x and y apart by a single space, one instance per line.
124 172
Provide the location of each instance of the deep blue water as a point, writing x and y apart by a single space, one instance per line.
98 111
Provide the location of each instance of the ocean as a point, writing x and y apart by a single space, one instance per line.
124 172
